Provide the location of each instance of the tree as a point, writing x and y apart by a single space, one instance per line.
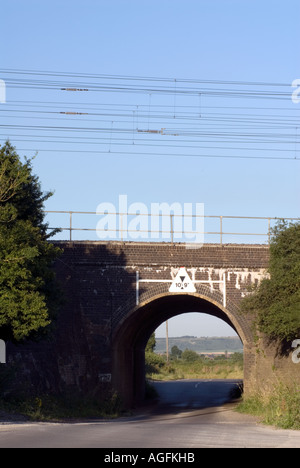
150 347
28 293
190 356
276 302
176 353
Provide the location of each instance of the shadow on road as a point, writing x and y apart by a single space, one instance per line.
182 395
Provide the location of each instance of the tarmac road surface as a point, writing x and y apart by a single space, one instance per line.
194 393
190 415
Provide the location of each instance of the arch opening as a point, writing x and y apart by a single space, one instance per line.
207 338
132 335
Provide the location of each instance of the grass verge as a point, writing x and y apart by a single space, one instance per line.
280 409
55 408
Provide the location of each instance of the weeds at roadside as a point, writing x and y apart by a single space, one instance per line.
280 408
52 408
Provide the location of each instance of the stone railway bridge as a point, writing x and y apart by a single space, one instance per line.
116 294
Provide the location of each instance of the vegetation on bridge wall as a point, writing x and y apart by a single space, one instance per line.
275 305
276 302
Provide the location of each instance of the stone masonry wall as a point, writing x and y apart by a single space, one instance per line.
99 281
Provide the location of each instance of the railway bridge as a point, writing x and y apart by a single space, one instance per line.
117 293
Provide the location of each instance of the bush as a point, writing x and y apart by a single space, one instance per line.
276 301
154 362
190 356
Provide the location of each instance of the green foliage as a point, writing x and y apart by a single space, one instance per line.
190 356
199 367
28 293
176 353
154 362
51 407
276 302
280 408
237 358
151 343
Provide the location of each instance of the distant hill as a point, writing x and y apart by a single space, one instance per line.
201 345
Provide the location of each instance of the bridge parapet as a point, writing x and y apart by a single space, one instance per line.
166 225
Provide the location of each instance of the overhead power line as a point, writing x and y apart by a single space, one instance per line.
163 114
152 154
134 84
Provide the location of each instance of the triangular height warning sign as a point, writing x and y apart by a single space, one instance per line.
182 282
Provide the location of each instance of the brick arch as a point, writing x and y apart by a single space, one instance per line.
231 313
156 305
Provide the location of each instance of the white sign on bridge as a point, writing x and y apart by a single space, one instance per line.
182 282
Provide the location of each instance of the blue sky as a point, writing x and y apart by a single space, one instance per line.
222 40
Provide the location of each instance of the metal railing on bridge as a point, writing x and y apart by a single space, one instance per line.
189 229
